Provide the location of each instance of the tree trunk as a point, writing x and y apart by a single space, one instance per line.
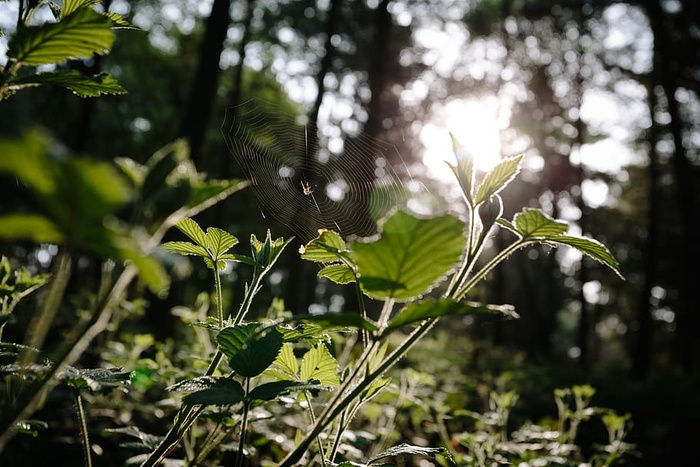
199 106
642 345
685 176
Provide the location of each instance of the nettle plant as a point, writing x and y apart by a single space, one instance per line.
288 363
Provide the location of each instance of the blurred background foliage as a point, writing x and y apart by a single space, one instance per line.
601 97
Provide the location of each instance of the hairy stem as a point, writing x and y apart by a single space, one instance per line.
83 429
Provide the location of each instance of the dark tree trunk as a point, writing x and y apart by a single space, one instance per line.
197 112
685 177
642 345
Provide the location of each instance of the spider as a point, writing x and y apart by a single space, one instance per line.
307 188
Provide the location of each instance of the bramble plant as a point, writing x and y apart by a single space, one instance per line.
311 373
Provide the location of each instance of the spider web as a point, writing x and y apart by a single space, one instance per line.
300 182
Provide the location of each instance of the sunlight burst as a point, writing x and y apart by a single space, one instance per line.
474 123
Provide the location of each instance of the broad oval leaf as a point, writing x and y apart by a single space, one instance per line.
319 364
418 311
410 256
534 224
250 350
498 178
78 35
30 226
338 273
326 248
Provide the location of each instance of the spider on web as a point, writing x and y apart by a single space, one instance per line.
307 188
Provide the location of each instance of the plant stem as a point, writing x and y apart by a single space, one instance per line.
219 296
335 409
244 426
83 429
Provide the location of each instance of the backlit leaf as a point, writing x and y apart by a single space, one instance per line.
533 223
319 364
410 256
30 226
591 248
83 86
411 450
190 228
287 362
338 273
498 178
79 35
326 248
186 248
219 241
416 312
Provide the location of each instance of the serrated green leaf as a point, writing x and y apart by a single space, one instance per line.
508 225
194 384
83 86
498 178
186 248
190 228
326 248
411 450
534 224
274 389
374 388
224 391
464 170
338 273
95 378
69 6
590 247
319 364
37 228
327 321
250 352
287 362
79 35
431 308
410 256
219 241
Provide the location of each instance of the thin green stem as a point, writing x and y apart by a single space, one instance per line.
219 296
312 416
334 410
244 426
83 429
466 287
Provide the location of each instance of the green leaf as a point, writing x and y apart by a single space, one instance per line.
498 178
186 248
464 170
319 364
79 35
161 166
250 352
217 391
534 224
410 256
272 390
411 450
326 248
335 320
431 308
37 228
95 378
338 273
190 228
83 86
69 6
591 248
219 241
287 362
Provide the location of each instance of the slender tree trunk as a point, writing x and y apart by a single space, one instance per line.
685 178
301 287
200 103
642 345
